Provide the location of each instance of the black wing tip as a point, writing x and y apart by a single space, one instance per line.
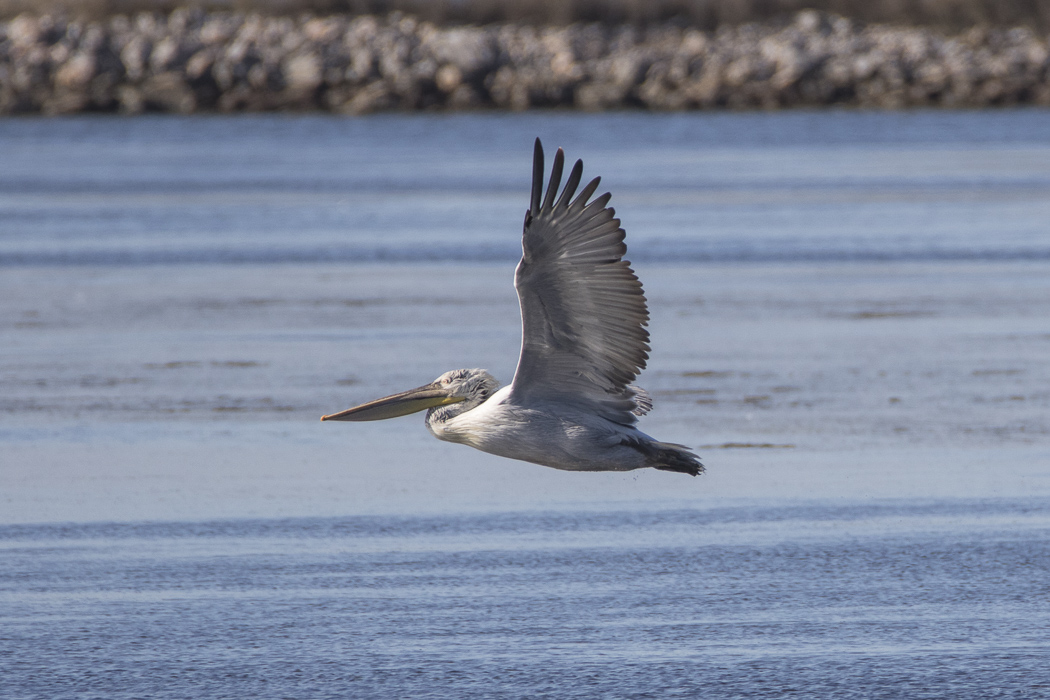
571 185
556 171
588 190
540 202
537 177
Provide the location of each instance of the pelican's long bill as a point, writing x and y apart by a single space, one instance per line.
401 404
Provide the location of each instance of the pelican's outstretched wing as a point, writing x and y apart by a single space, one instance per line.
582 308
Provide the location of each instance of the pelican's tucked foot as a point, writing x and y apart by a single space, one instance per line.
667 456
677 459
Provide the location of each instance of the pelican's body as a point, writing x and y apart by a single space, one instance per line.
549 435
571 404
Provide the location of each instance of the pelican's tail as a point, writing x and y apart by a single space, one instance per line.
672 457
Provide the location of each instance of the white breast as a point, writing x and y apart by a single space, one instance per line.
481 425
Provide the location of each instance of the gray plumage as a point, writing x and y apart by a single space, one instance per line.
571 404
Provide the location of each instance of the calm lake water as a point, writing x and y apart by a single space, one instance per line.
851 323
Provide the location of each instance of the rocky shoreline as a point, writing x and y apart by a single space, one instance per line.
192 61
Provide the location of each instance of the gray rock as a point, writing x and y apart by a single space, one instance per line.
192 60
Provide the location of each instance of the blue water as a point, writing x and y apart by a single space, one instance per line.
914 186
891 601
850 324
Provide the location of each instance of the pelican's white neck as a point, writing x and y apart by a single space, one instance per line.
476 386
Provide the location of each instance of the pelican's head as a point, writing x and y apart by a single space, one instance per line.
468 387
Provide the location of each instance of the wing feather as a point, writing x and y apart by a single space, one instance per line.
583 311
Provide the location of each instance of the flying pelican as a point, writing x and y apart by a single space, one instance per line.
571 404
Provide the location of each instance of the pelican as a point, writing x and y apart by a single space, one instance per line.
571 404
